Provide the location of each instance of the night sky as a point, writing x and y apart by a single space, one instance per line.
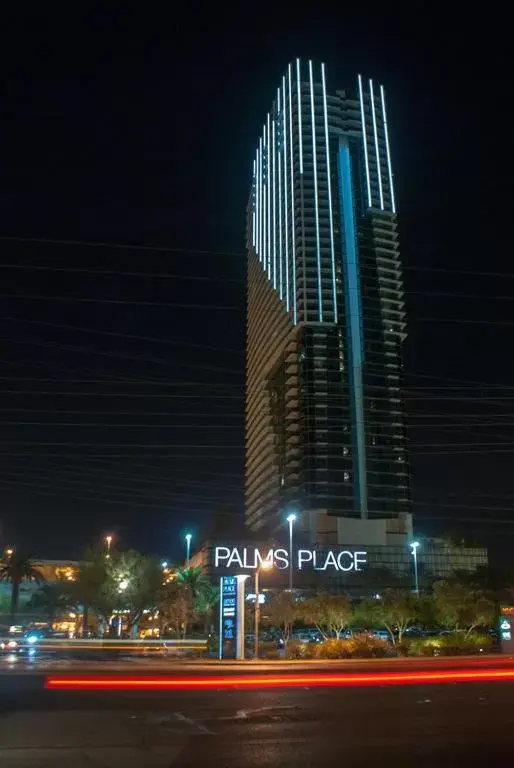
125 168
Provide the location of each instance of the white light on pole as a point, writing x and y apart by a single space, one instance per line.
264 566
414 548
188 548
240 629
290 519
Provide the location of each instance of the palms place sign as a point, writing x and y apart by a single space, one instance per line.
250 558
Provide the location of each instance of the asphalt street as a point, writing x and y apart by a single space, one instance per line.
468 724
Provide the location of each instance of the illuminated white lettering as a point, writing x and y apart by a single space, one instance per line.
259 559
281 556
360 558
304 556
220 553
340 556
330 561
234 557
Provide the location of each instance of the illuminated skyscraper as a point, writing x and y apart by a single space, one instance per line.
324 417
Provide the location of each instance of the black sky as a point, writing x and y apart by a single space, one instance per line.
139 130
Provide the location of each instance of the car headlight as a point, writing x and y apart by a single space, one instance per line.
32 639
12 644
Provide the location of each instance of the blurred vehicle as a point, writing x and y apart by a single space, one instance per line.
32 638
307 636
9 646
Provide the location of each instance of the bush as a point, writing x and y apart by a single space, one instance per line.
297 650
368 646
454 644
272 655
332 648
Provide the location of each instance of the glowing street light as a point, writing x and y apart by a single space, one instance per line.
290 519
108 542
164 564
9 552
188 548
414 549
264 566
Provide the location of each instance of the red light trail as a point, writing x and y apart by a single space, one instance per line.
227 682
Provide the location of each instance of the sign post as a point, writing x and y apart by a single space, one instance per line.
507 628
240 624
228 617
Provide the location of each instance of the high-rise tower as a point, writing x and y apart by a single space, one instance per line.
325 427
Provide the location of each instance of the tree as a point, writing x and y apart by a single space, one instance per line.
205 603
194 578
282 611
176 608
52 599
133 584
395 611
330 614
89 589
18 568
462 608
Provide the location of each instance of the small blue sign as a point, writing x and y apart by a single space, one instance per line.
228 617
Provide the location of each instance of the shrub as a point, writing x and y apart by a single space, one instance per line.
334 649
296 650
272 655
454 644
368 646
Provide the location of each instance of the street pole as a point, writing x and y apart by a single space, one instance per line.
188 549
257 616
414 547
290 519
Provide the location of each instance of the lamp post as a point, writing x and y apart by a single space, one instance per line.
108 542
290 519
265 566
414 548
188 548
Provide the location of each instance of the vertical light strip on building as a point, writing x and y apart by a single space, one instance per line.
264 199
351 272
329 183
389 166
365 142
260 200
377 150
274 179
268 202
299 97
286 233
293 234
280 129
316 208
253 202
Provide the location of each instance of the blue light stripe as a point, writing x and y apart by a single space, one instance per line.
389 166
365 142
316 208
299 99
264 199
293 234
354 323
268 202
286 233
253 202
260 199
329 183
273 139
377 150
281 276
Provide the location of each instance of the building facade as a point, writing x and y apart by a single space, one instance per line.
325 432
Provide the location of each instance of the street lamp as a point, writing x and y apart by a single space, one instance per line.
188 548
108 542
264 566
290 519
414 548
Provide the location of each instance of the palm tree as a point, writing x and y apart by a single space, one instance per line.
18 568
194 579
206 602
52 599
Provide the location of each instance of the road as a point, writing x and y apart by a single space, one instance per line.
468 724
